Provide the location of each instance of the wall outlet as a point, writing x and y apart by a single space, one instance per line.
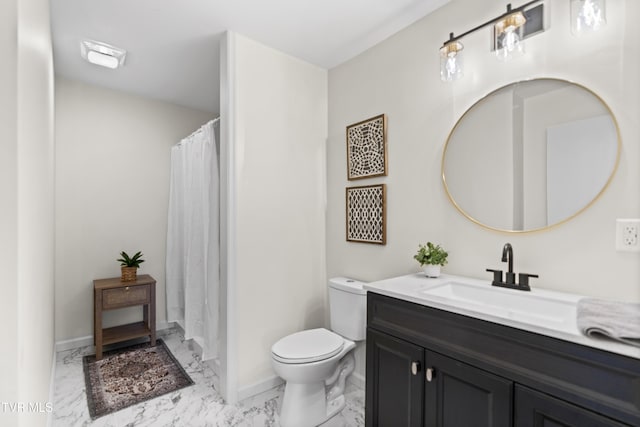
628 235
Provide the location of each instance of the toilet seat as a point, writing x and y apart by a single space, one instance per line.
307 346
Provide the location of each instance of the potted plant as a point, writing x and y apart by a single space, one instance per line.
431 257
130 266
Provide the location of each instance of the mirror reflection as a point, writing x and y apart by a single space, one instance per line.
530 155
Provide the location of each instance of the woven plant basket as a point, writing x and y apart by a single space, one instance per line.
129 274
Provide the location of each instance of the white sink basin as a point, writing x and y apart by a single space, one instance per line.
528 307
539 311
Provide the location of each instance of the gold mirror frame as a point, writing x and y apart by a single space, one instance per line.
547 227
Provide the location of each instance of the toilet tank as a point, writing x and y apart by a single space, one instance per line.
348 308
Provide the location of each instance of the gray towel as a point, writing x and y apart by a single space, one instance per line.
617 320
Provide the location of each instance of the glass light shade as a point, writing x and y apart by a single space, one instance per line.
451 67
508 36
587 15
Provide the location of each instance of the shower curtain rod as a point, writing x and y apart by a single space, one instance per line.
214 121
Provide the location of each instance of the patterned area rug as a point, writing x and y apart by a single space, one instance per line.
131 375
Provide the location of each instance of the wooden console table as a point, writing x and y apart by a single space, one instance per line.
110 294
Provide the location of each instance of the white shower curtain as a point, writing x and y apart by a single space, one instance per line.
193 279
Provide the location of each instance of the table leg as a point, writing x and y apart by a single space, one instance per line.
145 316
97 322
152 314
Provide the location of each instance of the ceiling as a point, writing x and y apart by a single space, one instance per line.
173 45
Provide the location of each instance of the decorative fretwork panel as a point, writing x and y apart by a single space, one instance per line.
366 216
366 148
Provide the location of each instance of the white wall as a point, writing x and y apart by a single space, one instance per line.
26 221
400 77
112 190
9 210
279 133
227 321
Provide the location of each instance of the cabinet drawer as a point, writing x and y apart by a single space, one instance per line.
124 297
533 408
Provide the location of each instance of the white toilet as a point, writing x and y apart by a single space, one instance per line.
315 363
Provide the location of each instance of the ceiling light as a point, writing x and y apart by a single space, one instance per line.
587 15
508 35
102 54
451 67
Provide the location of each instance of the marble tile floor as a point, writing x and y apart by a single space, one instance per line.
196 405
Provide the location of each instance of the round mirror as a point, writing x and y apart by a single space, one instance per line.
530 155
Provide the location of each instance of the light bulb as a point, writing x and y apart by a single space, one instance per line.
452 66
509 33
510 44
451 62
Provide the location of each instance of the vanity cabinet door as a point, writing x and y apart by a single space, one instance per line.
535 409
457 394
395 382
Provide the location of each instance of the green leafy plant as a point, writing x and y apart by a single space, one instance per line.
431 254
127 261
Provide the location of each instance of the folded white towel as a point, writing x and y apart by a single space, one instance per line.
617 320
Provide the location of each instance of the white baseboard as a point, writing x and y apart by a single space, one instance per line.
214 364
357 380
259 387
74 343
88 340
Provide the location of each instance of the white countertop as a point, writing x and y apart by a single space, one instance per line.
412 288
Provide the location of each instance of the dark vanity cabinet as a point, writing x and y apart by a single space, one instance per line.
452 393
428 367
462 395
534 408
397 392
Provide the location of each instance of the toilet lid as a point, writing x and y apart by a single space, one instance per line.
308 346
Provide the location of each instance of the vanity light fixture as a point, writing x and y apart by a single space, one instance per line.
587 16
509 32
102 54
451 67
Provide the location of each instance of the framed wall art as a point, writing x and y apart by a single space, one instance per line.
366 214
367 148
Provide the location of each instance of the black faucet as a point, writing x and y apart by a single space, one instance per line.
510 279
507 256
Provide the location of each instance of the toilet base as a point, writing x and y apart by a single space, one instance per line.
305 405
310 404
